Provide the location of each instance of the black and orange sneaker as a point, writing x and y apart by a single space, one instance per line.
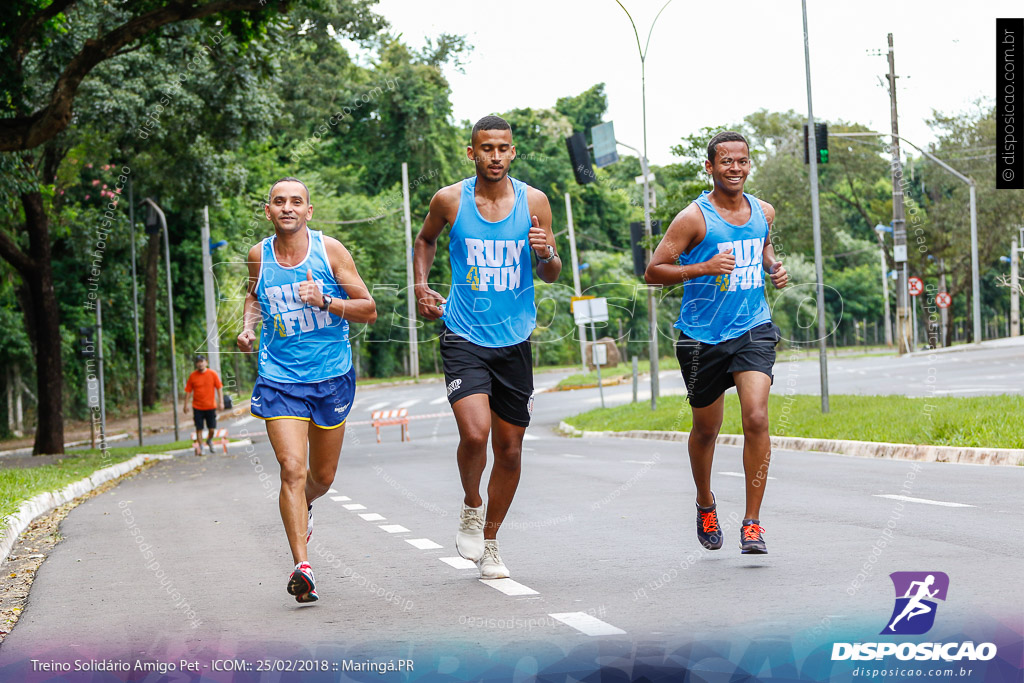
709 533
301 583
751 542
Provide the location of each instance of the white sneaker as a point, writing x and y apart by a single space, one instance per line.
491 566
469 540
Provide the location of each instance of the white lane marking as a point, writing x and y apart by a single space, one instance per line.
243 421
908 499
570 455
439 400
411 402
737 474
586 624
354 506
459 562
509 587
372 517
530 437
332 490
394 528
423 543
377 406
641 462
340 499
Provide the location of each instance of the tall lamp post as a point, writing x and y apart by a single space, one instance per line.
652 313
156 216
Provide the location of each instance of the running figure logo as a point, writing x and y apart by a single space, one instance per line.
916 592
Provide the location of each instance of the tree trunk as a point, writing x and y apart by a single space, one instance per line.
149 336
43 319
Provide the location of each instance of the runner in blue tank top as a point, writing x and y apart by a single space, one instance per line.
720 247
305 287
496 224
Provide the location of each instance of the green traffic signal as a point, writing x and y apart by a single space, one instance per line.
823 156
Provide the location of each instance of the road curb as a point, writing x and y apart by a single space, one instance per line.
44 502
1007 457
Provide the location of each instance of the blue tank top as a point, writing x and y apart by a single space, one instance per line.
717 308
299 342
491 300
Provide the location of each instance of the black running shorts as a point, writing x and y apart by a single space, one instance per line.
209 417
707 368
504 373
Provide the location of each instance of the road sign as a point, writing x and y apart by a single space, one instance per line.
605 152
590 310
915 286
573 300
943 300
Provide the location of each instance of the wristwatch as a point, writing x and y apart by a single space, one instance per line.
327 302
549 257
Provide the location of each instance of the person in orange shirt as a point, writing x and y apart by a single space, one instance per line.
202 393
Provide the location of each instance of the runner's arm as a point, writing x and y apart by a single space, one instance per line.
685 231
251 309
772 265
541 236
360 306
425 248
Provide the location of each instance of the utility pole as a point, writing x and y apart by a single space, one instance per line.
899 223
135 311
576 278
816 225
879 229
943 312
162 219
209 296
1014 289
414 351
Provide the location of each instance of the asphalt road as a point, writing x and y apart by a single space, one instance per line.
600 543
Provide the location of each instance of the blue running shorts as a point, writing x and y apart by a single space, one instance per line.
326 404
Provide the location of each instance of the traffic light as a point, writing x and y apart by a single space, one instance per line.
86 342
820 141
636 236
579 156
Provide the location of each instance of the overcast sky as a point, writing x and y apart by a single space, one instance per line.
712 63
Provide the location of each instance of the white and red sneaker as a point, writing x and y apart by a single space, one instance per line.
301 583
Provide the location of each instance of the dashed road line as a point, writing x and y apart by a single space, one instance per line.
372 517
354 506
411 402
340 499
394 528
423 543
908 499
587 624
377 406
509 587
439 400
458 562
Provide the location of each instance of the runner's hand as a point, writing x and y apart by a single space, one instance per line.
309 292
428 302
185 410
721 264
539 239
245 341
778 275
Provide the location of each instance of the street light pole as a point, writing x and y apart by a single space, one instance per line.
816 224
170 310
879 229
135 310
652 313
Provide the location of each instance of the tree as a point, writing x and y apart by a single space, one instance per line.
51 57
